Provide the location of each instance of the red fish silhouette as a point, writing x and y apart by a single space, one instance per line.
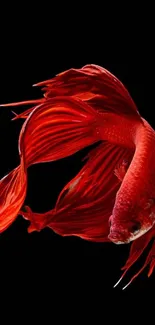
112 197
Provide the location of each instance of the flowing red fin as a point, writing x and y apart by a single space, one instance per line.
38 221
92 84
149 260
95 84
26 113
121 170
137 248
12 195
53 130
57 129
85 204
25 102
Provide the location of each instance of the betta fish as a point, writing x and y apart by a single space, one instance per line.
112 198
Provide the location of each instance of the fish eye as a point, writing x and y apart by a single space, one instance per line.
135 227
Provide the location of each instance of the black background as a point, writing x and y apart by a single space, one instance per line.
45 260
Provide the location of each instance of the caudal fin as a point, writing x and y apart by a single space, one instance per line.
58 128
54 130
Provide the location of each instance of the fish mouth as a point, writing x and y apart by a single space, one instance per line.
118 238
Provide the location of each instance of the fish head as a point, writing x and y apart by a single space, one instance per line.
126 230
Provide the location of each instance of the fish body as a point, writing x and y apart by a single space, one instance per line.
138 187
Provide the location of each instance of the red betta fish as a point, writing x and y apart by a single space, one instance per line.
112 199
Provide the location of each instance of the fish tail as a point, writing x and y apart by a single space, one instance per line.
55 129
58 128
